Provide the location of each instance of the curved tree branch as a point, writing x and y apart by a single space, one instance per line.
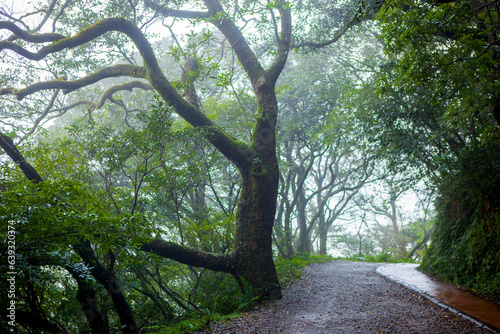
108 95
190 256
283 43
44 113
12 18
48 12
28 36
341 32
55 19
185 14
235 151
70 86
126 86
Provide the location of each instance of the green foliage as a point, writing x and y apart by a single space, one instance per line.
466 242
222 299
386 257
193 323
289 269
49 218
440 113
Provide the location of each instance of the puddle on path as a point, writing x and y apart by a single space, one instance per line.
475 307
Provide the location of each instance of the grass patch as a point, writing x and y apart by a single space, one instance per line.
384 257
290 269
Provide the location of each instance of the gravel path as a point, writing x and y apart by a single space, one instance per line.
347 297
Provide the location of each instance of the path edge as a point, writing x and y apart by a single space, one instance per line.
433 300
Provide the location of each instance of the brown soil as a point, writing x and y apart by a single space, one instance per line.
347 297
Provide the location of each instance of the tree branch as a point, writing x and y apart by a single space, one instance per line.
190 256
126 86
48 12
283 43
70 86
238 43
28 36
334 39
235 151
10 148
44 113
167 12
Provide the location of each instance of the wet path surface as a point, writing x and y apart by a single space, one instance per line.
342 297
443 294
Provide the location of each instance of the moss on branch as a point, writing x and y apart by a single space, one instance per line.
28 36
189 256
70 86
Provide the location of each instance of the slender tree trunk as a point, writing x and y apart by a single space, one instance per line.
88 301
108 280
419 245
323 232
304 240
395 226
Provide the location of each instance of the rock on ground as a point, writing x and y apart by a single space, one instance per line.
347 297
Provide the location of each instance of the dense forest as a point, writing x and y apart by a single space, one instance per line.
167 160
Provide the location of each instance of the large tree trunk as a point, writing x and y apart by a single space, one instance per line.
256 210
252 258
257 202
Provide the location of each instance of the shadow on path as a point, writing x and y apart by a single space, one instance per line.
447 296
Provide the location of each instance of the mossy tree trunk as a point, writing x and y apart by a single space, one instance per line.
257 163
252 258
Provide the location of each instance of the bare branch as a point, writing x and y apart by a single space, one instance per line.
46 16
63 8
283 43
28 36
4 13
331 41
70 86
126 86
238 43
44 114
64 109
167 12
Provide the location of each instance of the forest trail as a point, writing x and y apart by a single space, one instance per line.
348 297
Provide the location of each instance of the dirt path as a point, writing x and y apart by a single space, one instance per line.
348 297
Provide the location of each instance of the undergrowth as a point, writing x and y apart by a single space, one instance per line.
290 269
229 302
382 257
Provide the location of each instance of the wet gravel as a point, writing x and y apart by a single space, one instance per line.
347 297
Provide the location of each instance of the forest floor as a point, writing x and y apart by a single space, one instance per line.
347 297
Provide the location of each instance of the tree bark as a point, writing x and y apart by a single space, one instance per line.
107 279
323 232
10 148
252 258
87 298
304 244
